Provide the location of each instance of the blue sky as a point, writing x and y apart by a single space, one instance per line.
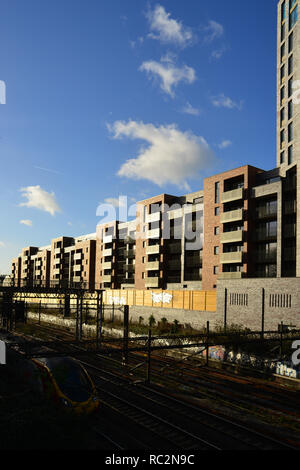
114 97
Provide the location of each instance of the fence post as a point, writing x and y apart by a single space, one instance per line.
125 336
149 358
97 320
40 308
281 338
263 314
225 309
207 343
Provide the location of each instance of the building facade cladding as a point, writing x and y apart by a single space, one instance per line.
288 130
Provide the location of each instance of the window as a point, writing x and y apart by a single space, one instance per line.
292 3
290 154
216 250
291 42
217 230
281 157
282 32
217 210
290 132
143 260
282 51
291 65
294 17
217 193
281 137
290 110
283 11
216 269
282 117
282 93
282 73
290 87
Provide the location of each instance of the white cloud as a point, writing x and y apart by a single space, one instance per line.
2 244
225 144
172 156
168 73
189 109
116 202
40 199
167 30
26 222
218 53
222 101
213 31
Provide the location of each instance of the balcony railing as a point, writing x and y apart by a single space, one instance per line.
153 217
107 252
264 212
107 278
290 231
152 282
107 239
265 235
107 265
193 261
153 266
232 216
228 276
232 237
155 233
153 250
232 257
261 257
234 195
175 248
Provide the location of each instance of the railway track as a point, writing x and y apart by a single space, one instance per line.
208 382
223 433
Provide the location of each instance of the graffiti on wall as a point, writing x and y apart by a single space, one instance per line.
116 300
163 298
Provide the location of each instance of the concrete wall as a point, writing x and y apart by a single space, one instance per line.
245 299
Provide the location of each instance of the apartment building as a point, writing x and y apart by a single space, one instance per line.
245 223
73 260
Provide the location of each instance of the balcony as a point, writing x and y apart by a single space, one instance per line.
265 213
77 267
56 271
234 195
193 261
228 276
232 257
107 252
174 264
76 279
153 266
290 207
264 257
78 256
107 278
155 233
153 250
266 235
232 237
57 251
289 254
289 231
129 253
107 265
129 268
129 241
232 216
153 217
152 282
175 248
107 239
